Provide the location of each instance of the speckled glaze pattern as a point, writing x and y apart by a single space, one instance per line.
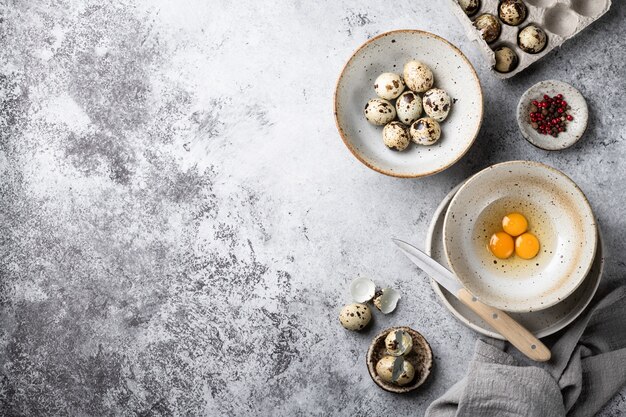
541 323
421 357
558 214
388 53
575 128
560 19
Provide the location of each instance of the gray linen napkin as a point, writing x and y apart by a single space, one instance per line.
587 369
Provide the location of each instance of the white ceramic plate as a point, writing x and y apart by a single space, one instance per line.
558 214
575 128
388 53
541 323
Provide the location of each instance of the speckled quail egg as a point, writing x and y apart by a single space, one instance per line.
388 85
379 111
355 316
532 39
386 300
409 107
398 343
469 6
425 131
395 369
417 76
396 136
506 59
436 103
512 12
488 26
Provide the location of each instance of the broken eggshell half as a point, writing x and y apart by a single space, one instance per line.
362 290
386 300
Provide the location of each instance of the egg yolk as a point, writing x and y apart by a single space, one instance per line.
526 246
501 245
514 224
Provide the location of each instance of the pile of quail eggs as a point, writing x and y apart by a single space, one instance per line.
393 367
531 39
357 316
408 107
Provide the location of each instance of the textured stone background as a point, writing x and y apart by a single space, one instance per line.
179 220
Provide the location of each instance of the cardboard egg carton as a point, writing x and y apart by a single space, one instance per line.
560 19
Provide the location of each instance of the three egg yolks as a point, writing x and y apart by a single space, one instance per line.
525 245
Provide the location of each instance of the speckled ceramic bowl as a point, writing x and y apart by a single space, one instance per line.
558 214
388 53
575 128
541 323
421 357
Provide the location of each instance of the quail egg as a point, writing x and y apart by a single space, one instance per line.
396 370
362 289
355 316
425 131
409 107
436 103
395 136
512 12
398 343
417 76
532 39
388 85
469 6
506 59
379 111
386 300
488 26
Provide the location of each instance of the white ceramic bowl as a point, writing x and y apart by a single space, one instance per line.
388 53
558 214
575 128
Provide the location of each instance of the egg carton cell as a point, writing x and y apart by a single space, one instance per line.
559 19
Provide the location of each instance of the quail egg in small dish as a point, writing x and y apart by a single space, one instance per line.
379 98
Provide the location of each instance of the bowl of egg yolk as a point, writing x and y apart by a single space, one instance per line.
520 235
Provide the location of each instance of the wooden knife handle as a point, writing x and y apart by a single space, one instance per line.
512 331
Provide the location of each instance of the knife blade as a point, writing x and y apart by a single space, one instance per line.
512 331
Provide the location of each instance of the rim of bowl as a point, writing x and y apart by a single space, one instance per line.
457 315
524 99
585 202
356 154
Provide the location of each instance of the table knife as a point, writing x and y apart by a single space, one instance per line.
510 329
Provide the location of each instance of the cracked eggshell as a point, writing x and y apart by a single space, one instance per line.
488 26
362 289
532 39
355 316
387 300
388 85
399 343
379 111
470 7
395 370
418 76
512 12
436 103
409 107
425 131
506 59
396 136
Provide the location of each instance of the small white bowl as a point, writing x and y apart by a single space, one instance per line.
388 53
558 214
575 128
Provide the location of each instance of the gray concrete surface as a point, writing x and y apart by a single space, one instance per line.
180 220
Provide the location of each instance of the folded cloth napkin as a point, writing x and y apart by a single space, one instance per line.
588 367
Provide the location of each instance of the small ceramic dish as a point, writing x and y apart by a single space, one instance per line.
541 323
421 357
388 53
558 214
575 128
